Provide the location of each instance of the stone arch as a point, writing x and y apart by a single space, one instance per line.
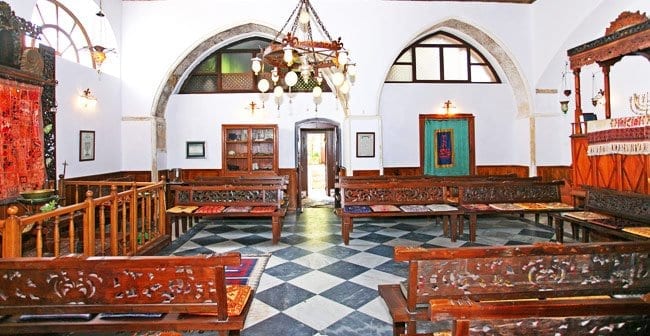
184 64
507 64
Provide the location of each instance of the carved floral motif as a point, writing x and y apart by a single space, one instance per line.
431 194
548 273
76 286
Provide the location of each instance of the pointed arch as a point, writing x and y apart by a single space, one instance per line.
184 65
500 55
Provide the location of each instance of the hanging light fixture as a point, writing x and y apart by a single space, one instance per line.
294 52
564 101
98 51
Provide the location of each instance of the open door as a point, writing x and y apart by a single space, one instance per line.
317 156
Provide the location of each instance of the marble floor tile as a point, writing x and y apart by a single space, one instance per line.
313 284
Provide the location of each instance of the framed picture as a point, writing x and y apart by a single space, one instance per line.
195 149
86 145
365 144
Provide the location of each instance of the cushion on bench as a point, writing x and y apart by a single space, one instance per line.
238 209
263 209
384 208
210 209
414 208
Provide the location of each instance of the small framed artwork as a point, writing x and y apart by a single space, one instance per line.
86 145
195 149
365 144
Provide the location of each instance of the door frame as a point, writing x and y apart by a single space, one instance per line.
332 132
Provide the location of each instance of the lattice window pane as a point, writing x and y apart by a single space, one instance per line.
427 63
209 65
236 62
456 60
200 84
482 74
405 57
238 81
400 73
441 39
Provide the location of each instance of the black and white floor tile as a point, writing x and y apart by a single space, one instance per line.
315 285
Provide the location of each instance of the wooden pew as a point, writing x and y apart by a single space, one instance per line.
359 198
109 294
613 214
254 197
509 197
460 284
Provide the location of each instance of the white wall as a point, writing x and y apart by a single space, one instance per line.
71 117
559 26
153 36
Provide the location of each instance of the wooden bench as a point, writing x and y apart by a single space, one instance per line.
108 294
609 213
509 197
485 283
393 198
234 200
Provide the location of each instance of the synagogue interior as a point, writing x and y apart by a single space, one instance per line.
324 167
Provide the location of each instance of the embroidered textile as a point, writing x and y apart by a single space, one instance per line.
628 136
21 139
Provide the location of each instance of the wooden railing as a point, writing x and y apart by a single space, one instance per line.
124 223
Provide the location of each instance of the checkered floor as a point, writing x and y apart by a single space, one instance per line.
315 285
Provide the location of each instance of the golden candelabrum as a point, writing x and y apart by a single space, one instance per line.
639 103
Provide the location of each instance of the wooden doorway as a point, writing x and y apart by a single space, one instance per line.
318 155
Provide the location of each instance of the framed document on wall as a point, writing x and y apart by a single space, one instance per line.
86 145
447 144
365 144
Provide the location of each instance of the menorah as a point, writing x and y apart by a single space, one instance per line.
639 103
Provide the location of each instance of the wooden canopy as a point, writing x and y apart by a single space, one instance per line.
629 34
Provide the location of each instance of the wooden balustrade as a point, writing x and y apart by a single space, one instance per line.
122 223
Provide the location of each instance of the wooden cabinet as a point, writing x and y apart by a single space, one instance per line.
250 149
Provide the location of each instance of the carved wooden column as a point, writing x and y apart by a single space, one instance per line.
608 104
578 113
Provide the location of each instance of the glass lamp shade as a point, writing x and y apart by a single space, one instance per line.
288 55
338 78
564 105
317 91
263 85
345 87
291 78
351 69
304 17
256 66
343 57
274 75
278 91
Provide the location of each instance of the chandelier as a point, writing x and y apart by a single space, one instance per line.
298 53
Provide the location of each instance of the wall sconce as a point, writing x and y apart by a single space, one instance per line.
448 107
87 100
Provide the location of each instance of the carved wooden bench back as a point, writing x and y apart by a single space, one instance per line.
75 284
229 195
509 192
527 271
627 205
392 192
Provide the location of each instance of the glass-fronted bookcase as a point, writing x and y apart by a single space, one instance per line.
250 149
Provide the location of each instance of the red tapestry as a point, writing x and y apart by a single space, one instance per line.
21 138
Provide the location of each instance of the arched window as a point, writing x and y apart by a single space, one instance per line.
64 31
228 70
441 57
